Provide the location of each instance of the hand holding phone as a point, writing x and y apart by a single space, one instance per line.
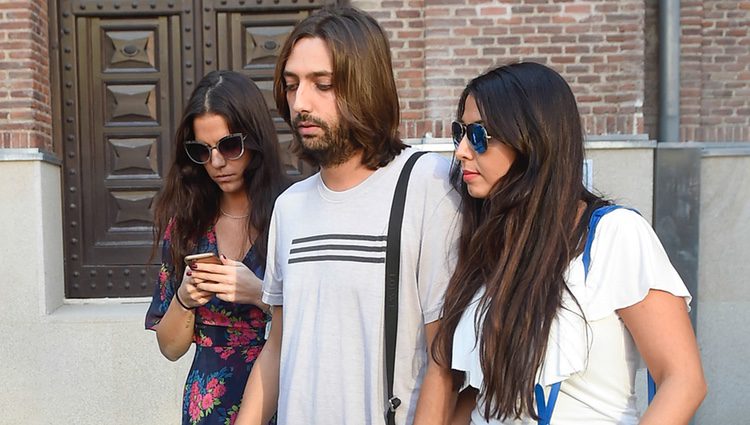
234 282
206 257
188 294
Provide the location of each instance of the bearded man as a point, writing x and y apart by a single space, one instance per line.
323 362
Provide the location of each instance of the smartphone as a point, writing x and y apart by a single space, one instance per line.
206 257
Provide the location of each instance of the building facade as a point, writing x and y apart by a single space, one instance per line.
90 91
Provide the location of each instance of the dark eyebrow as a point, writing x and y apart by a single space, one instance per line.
322 74
315 74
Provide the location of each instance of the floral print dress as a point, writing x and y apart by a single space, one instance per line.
228 339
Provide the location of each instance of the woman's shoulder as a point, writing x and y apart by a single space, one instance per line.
624 231
622 216
627 260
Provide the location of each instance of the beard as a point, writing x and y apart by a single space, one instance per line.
327 150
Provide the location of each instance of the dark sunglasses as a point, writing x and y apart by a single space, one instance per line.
230 147
475 132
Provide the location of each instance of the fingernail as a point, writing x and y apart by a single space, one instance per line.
189 273
223 257
192 266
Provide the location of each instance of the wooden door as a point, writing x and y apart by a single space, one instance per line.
125 70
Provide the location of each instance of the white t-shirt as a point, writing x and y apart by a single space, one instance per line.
326 267
597 369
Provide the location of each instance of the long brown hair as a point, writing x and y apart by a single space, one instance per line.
363 81
518 242
189 201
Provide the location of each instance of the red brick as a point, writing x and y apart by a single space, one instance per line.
494 11
550 49
466 51
495 51
577 8
465 12
482 41
496 30
407 14
395 24
409 34
435 12
445 22
392 4
563 19
466 32
537 19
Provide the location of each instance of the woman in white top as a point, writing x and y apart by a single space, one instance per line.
529 333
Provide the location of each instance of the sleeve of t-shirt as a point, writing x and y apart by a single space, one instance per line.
438 246
273 282
627 260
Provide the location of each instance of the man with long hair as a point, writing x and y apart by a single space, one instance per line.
324 364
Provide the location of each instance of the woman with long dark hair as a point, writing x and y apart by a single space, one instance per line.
217 198
531 328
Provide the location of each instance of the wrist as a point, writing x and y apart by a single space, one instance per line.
182 304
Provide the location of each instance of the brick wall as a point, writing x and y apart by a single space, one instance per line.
597 45
607 50
25 116
715 71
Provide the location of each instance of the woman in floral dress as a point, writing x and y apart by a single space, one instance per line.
217 198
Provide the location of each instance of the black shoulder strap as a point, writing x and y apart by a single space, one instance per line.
392 265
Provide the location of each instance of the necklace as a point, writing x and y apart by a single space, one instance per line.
236 217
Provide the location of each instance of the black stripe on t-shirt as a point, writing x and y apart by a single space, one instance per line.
338 248
327 242
349 258
340 237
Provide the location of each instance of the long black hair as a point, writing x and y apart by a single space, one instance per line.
518 242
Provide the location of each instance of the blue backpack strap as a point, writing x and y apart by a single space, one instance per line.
593 222
651 386
544 410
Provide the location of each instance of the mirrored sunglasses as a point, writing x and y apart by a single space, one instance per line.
230 147
475 132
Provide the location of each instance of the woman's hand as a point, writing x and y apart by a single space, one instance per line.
189 292
175 330
231 282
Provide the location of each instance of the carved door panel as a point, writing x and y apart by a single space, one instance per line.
125 71
128 79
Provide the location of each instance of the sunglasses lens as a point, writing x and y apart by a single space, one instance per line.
457 130
230 147
478 137
197 152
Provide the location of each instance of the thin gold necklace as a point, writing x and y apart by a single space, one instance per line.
236 217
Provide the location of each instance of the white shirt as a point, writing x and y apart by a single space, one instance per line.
596 360
326 266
